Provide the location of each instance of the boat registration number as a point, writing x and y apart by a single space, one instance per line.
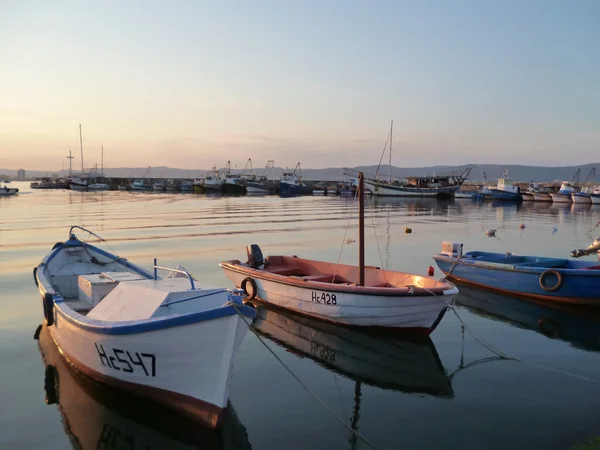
322 352
324 298
126 361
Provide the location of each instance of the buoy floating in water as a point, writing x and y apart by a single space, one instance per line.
430 271
522 226
491 232
408 230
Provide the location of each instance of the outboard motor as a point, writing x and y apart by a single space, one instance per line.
255 256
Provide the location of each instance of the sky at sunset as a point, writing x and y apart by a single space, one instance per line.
191 84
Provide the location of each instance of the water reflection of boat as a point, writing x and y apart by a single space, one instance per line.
97 417
400 364
579 326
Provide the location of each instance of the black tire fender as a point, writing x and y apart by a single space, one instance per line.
48 303
250 295
35 280
545 275
55 246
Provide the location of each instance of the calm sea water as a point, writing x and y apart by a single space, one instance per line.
449 392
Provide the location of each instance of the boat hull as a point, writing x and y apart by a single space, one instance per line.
497 194
289 190
581 198
415 314
542 197
8 191
257 188
595 198
561 198
528 197
236 189
578 286
164 365
390 190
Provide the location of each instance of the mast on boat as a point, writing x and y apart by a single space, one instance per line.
81 148
70 158
102 163
361 228
391 136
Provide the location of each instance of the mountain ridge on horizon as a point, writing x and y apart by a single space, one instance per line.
517 172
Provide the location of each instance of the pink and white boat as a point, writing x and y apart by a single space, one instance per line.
349 295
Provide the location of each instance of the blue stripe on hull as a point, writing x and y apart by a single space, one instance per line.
506 196
575 285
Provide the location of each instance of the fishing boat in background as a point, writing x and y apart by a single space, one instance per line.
319 189
291 183
506 190
232 183
171 339
382 361
464 194
348 187
159 186
567 188
140 183
425 186
595 196
551 279
198 185
5 191
95 416
42 183
362 296
186 186
584 194
172 185
212 182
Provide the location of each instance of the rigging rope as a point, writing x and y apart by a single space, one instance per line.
321 402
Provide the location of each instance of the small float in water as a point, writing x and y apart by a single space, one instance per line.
363 296
171 339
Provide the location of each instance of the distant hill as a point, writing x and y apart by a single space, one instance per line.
493 171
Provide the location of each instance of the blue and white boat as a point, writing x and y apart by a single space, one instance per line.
291 183
171 340
551 279
5 190
506 190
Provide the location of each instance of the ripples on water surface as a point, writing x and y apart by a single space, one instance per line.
397 393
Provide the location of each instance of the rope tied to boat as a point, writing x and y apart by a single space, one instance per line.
500 353
306 388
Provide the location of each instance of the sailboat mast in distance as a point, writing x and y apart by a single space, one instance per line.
70 158
81 147
391 136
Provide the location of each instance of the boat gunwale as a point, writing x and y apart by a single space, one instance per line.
413 291
230 308
506 267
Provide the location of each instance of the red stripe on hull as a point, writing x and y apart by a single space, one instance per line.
205 413
545 298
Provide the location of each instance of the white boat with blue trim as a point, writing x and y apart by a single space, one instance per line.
171 339
6 191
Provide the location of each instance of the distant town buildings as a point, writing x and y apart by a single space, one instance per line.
20 174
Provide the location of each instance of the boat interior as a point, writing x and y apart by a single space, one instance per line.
103 288
528 261
341 274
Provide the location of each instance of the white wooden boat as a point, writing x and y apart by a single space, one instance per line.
95 416
351 295
171 340
158 186
5 191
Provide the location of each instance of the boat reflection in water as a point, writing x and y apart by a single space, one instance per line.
100 418
394 363
577 325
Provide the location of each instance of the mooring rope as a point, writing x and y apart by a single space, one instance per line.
312 394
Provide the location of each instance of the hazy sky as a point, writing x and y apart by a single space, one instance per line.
193 84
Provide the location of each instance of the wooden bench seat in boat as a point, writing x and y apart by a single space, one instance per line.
286 271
